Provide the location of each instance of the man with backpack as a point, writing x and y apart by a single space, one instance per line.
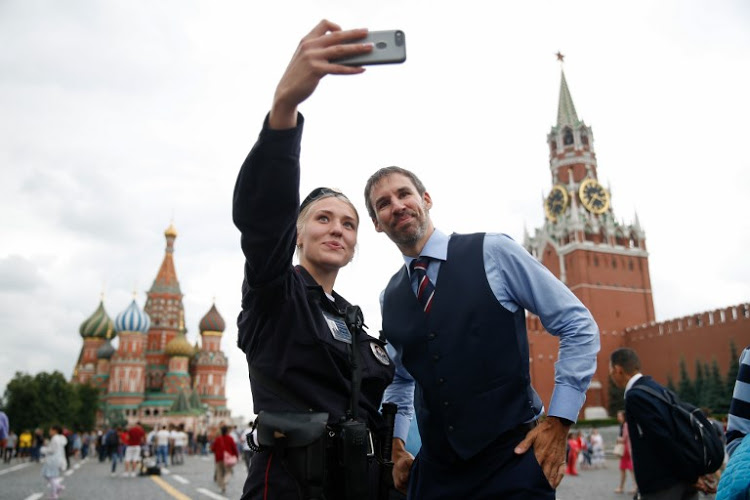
111 442
675 449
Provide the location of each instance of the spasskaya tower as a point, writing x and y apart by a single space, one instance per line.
603 261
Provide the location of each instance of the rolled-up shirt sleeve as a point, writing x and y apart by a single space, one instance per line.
518 280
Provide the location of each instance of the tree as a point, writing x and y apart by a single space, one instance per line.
616 397
46 399
734 368
56 397
670 384
698 384
685 388
21 402
715 390
84 411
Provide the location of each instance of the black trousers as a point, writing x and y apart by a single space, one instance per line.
269 478
496 472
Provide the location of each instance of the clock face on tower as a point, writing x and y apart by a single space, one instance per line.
556 202
593 196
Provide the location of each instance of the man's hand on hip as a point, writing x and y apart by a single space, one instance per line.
402 462
548 439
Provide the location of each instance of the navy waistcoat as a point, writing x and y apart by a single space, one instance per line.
469 355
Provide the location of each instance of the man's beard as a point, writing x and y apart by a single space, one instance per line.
410 236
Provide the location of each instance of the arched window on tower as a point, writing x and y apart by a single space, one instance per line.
567 137
584 138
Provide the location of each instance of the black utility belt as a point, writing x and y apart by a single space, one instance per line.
301 429
308 444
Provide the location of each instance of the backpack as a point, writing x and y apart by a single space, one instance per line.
111 438
697 448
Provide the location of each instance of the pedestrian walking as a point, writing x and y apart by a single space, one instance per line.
162 445
10 446
111 441
597 449
4 429
24 444
54 460
247 452
225 455
136 438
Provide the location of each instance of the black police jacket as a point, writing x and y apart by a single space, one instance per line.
288 328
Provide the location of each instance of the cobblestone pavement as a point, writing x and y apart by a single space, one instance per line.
599 484
91 480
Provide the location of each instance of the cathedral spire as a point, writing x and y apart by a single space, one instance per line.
166 278
566 110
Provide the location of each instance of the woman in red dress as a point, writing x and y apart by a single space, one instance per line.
626 460
574 448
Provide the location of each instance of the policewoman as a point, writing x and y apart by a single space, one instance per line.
307 360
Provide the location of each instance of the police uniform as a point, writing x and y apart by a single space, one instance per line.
289 329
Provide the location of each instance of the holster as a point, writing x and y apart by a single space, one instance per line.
299 439
353 446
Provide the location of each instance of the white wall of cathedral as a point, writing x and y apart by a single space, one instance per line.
127 378
211 342
210 384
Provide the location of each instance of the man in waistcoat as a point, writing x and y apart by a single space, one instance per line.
455 320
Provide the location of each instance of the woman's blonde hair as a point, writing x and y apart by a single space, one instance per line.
316 195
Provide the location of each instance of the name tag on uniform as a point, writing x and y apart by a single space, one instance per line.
338 328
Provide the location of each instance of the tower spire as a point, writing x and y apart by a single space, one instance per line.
566 110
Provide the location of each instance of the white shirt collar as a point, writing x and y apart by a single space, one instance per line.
632 381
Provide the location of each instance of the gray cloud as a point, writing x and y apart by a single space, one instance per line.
18 274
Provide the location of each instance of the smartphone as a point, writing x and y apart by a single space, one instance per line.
388 47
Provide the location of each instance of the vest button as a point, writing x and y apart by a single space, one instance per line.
446 403
450 428
436 357
441 380
432 335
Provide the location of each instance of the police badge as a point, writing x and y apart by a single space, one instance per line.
380 354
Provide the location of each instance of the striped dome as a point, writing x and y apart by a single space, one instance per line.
132 319
105 351
98 325
212 321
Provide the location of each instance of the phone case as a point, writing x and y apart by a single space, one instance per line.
389 47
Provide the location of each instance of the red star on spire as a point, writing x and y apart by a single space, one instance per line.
560 56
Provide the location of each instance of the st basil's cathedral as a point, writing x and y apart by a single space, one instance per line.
155 375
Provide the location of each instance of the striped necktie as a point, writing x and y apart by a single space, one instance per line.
425 288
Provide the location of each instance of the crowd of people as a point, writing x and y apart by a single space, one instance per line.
584 452
141 451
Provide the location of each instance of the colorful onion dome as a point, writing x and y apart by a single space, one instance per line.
105 351
171 231
132 319
212 321
98 325
179 346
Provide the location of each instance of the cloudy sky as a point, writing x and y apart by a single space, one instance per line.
117 118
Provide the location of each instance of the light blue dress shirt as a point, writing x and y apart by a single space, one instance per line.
518 280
